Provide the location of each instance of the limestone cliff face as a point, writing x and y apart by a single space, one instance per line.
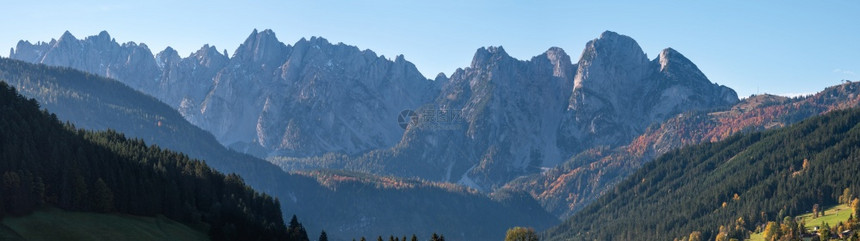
517 116
618 92
269 98
486 124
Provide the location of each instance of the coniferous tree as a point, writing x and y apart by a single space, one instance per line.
102 197
39 189
414 238
824 231
80 193
296 230
323 236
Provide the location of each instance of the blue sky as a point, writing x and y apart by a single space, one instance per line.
752 46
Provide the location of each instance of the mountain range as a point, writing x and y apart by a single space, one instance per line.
341 119
305 99
496 120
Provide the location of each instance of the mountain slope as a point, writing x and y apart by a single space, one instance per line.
304 99
571 186
98 103
343 211
314 97
46 163
502 118
744 180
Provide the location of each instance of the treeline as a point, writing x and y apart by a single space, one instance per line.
433 237
44 162
744 181
797 229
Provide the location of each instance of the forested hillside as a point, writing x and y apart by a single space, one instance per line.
96 103
46 163
744 180
361 208
580 180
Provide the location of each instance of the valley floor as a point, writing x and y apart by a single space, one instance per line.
56 224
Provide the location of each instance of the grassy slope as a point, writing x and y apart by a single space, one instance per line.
832 216
55 224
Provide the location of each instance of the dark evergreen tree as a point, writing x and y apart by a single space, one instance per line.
323 236
296 230
102 197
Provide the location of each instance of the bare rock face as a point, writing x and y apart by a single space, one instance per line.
618 92
269 98
98 54
500 119
486 124
518 116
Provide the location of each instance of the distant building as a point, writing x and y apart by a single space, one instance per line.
846 234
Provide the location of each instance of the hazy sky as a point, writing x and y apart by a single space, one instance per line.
752 46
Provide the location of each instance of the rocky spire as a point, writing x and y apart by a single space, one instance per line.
261 47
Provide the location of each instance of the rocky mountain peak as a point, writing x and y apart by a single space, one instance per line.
167 57
487 55
316 40
556 54
618 92
67 36
441 77
261 47
672 62
559 59
612 60
103 36
208 53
